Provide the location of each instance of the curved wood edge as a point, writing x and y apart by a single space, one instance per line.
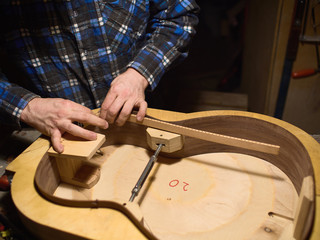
27 162
208 136
131 210
47 188
311 145
39 216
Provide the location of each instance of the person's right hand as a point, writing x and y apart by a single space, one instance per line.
55 116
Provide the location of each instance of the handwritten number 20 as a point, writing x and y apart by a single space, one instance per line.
175 182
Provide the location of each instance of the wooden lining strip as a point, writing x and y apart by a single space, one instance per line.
207 136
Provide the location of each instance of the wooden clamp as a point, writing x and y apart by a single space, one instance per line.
79 164
171 142
303 209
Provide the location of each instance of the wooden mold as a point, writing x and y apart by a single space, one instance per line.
203 190
78 165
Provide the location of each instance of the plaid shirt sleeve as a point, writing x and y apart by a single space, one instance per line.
172 26
13 99
74 49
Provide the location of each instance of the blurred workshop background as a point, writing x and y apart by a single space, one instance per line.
241 54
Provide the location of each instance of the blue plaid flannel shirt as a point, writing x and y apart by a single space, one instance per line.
73 49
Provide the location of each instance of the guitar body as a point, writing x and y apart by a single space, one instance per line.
203 191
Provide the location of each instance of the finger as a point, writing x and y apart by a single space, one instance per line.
114 109
56 141
78 131
89 118
143 105
110 98
125 113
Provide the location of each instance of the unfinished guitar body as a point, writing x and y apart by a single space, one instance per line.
202 190
207 196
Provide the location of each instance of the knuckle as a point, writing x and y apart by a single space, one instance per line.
66 102
68 126
126 93
61 113
55 123
125 113
104 106
122 118
120 121
114 87
62 103
112 113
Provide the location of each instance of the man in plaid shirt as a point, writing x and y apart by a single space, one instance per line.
76 55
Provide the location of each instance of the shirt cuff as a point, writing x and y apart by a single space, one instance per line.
26 99
152 63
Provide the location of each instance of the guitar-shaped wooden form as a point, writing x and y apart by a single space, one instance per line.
258 183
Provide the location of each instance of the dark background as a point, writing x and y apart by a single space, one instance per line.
215 56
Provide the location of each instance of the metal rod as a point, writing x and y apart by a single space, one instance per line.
145 173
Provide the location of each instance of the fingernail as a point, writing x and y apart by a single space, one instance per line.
60 149
94 136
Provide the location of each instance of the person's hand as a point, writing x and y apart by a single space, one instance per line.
54 116
125 94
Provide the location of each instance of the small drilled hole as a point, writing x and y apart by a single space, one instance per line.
268 230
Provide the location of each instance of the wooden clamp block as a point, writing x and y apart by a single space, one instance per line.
77 165
302 216
172 141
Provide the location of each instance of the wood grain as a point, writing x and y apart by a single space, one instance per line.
298 157
210 196
208 136
78 148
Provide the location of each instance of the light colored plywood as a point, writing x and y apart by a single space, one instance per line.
298 157
75 147
210 196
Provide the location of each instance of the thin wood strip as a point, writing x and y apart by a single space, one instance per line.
208 136
302 214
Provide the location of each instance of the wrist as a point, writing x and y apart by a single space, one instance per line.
139 76
27 111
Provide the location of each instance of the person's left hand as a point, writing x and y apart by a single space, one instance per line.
126 93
